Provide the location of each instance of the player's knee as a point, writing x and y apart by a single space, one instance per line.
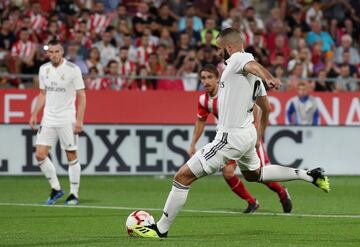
184 176
40 155
71 155
227 174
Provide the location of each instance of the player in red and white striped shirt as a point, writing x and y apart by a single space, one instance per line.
208 104
100 21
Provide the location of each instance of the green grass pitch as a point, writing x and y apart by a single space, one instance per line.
211 217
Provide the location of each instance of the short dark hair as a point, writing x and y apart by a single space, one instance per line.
54 42
211 69
227 31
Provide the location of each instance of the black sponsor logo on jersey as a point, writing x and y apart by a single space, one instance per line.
55 89
222 84
166 214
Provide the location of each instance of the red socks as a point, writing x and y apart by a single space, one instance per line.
276 187
238 187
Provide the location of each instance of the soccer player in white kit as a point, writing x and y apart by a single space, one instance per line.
236 135
61 83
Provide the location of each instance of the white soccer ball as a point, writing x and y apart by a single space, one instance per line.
138 217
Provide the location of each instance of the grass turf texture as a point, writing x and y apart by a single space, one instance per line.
61 226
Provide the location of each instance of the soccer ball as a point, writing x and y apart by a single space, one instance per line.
138 217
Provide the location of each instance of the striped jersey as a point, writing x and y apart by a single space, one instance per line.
207 105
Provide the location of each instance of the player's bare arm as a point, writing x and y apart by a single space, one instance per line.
81 97
198 130
263 103
257 69
39 105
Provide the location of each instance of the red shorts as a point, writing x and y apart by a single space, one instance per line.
264 159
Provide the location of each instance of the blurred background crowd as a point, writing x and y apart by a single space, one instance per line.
161 45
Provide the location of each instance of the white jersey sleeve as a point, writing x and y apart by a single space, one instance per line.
242 60
78 79
262 90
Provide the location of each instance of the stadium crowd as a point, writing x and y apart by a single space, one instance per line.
161 45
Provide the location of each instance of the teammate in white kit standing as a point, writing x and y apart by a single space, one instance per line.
61 83
236 135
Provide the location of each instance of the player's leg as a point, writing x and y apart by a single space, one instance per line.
69 143
278 173
46 137
238 187
205 162
282 192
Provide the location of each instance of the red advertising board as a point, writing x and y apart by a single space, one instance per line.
169 107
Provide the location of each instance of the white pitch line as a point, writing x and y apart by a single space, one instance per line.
185 210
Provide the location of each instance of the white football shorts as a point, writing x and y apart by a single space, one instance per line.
48 136
238 145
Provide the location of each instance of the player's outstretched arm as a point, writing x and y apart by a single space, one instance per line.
257 69
263 103
81 97
198 130
39 105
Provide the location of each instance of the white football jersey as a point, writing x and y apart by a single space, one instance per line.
60 84
237 93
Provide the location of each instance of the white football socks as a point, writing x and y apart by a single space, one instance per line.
74 177
48 168
278 173
175 201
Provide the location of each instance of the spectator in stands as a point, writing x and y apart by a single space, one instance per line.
94 61
99 20
205 8
122 15
142 15
295 38
195 36
274 18
72 55
317 34
170 83
279 71
127 68
321 85
7 39
190 13
233 16
277 29
294 20
165 19
346 41
166 40
107 50
189 73
250 13
345 82
294 78
346 61
280 47
258 50
303 109
142 84
304 57
314 13
210 28
182 49
153 68
22 54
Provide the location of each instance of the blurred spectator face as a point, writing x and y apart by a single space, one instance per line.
26 22
94 54
53 27
346 57
208 38
279 41
164 10
106 38
250 12
348 24
333 23
153 59
170 70
165 34
316 27
145 40
302 89
113 68
298 69
124 54
190 12
36 8
5 25
127 40
277 27
189 64
123 26
279 59
93 72
304 54
139 27
275 13
184 39
322 75
257 39
55 54
346 41
24 35
143 8
279 72
318 46
121 10
210 24
252 25
99 7
344 71
301 43
72 50
83 27
143 71
297 32
209 81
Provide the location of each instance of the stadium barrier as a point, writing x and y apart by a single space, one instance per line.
133 133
